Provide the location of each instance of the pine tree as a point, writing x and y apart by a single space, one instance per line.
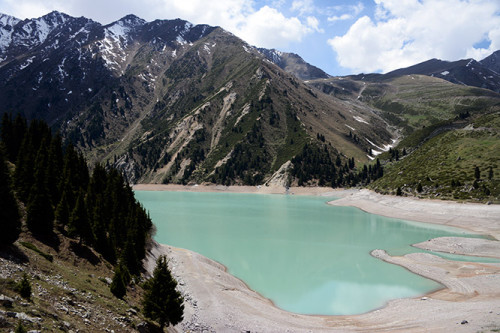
12 134
129 255
24 288
40 217
162 302
490 173
121 279
20 328
62 212
10 222
399 192
79 224
477 173
419 187
24 174
54 168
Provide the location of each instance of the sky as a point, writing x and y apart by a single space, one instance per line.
339 36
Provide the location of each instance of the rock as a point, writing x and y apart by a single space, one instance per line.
132 311
464 322
24 316
11 314
65 326
146 327
6 301
3 321
108 280
424 298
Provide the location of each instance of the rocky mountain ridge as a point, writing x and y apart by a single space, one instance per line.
159 98
168 101
483 74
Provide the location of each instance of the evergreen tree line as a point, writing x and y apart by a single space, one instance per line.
60 193
10 221
315 163
248 163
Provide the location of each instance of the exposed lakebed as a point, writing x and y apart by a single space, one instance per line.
306 256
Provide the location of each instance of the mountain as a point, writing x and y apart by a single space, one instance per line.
447 132
482 74
294 64
492 62
167 101
171 102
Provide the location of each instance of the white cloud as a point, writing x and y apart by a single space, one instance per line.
303 6
348 12
264 26
343 17
313 23
405 32
269 28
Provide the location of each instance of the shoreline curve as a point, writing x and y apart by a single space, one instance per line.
216 301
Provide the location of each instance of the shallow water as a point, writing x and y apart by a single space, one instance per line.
306 256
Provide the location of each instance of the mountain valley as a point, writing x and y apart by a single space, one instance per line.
170 102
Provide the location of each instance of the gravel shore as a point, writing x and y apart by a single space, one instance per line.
216 301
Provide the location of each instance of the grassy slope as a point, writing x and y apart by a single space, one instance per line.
443 147
451 156
417 101
68 293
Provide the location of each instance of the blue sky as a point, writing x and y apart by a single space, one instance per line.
341 37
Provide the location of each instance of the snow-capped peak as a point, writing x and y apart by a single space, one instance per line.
55 17
7 24
118 29
131 21
35 31
124 26
7 20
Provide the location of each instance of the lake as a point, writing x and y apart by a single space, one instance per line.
304 255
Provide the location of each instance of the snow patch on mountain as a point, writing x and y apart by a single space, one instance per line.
181 40
206 48
62 72
25 64
117 30
7 24
374 145
359 119
7 20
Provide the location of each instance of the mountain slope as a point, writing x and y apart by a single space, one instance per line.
492 62
447 131
411 102
169 101
466 72
445 164
294 64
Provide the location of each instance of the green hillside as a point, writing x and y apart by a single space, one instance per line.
445 165
412 102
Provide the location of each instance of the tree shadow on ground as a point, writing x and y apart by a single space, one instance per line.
84 252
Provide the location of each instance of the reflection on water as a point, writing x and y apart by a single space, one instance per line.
306 256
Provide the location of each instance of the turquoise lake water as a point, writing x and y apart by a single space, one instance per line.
304 255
